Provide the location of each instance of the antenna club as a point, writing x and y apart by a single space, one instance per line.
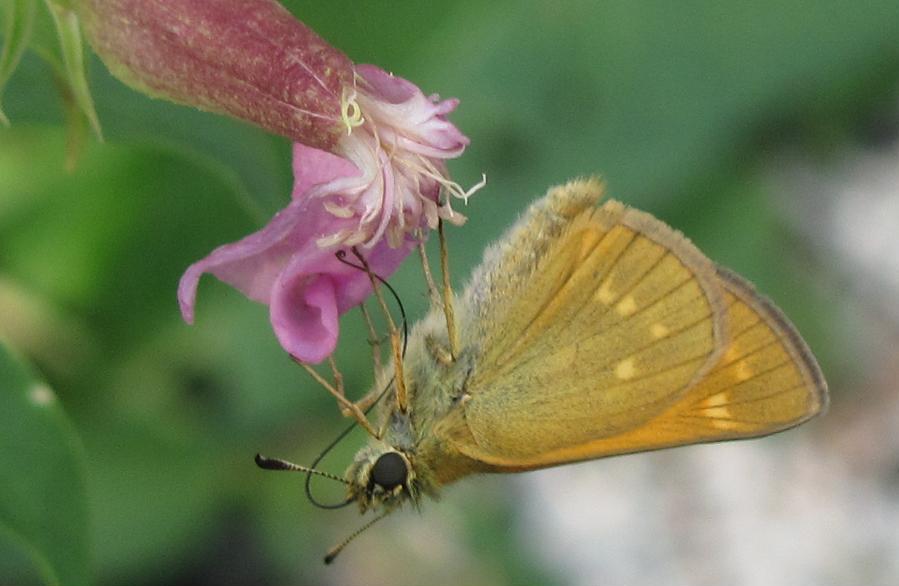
268 463
277 464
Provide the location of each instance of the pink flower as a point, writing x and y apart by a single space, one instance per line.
291 265
368 161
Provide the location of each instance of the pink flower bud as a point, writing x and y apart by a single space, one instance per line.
250 59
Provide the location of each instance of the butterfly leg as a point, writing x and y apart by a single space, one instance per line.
396 346
347 407
448 310
429 278
368 400
374 340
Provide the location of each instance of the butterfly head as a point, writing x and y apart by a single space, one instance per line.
382 478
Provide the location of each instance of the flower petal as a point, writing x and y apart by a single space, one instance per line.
408 118
313 291
304 315
252 264
313 167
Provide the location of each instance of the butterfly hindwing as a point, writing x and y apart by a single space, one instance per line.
767 379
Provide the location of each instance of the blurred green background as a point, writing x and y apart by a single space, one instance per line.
710 115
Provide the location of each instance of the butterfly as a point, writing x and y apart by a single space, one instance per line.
587 331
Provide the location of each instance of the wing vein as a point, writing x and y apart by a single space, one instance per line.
764 397
753 377
548 301
656 372
654 342
737 335
673 290
645 273
761 348
634 236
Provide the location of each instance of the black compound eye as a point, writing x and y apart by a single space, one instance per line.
389 470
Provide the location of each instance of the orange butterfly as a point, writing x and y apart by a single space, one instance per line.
586 332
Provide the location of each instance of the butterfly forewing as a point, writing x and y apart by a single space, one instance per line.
620 316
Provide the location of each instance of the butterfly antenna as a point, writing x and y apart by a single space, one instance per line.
330 447
334 551
395 345
341 256
278 464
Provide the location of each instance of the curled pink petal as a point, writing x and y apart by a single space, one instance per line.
315 289
399 144
251 264
304 315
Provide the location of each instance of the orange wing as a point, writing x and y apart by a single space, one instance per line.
766 381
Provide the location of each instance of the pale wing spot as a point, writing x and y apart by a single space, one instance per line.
605 294
744 371
716 400
732 353
722 412
627 306
658 330
626 369
726 424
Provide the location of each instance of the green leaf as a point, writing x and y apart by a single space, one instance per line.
19 19
43 505
75 74
57 40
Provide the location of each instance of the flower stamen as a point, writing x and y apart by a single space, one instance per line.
338 210
350 111
455 189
